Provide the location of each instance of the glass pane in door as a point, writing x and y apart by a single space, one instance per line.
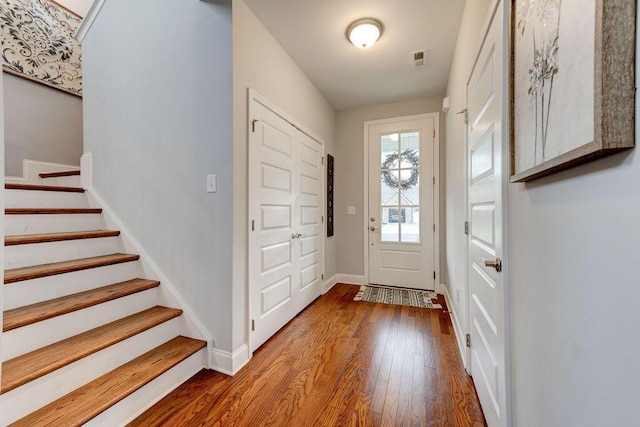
410 224
389 226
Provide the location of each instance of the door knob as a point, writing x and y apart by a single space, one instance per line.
296 235
372 219
497 264
373 229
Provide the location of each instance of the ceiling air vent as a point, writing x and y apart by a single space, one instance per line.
418 58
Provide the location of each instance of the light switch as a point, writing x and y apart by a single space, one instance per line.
351 210
212 184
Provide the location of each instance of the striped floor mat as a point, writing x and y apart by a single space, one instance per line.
398 296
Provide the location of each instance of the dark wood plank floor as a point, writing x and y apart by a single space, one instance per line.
338 363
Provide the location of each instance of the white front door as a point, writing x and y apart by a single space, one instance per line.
402 201
285 240
485 244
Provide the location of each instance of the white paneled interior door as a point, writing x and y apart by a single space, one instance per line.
285 235
485 243
402 202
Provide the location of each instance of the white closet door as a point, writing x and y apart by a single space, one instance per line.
285 240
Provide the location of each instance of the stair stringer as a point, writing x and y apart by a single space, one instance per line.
190 325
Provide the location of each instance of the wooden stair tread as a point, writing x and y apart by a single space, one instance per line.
58 237
33 313
85 403
59 174
49 211
28 367
32 272
39 187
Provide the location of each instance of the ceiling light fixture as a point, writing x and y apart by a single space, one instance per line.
364 32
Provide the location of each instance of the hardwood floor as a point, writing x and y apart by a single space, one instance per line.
338 363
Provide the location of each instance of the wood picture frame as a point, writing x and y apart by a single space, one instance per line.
611 127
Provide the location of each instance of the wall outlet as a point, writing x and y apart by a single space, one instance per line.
212 184
351 210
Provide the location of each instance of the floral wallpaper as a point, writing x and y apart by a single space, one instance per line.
38 43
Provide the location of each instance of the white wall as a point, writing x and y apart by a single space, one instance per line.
467 45
42 123
158 119
349 174
2 138
260 63
575 289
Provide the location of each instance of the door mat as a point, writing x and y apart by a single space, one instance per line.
397 296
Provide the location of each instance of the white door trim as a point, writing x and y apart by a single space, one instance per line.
506 168
252 95
436 189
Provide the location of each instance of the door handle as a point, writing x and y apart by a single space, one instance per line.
497 264
296 235
373 228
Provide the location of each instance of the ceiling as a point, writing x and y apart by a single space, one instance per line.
313 34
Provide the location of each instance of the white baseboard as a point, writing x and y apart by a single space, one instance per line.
329 283
350 279
229 363
32 168
457 328
168 295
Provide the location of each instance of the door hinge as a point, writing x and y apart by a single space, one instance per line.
434 133
434 180
253 325
322 276
434 275
468 340
466 228
323 160
253 225
322 219
253 125
434 228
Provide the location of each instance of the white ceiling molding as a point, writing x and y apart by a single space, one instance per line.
91 16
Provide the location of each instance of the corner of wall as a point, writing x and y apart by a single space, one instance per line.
229 363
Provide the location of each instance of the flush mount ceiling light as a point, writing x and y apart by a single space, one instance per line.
364 32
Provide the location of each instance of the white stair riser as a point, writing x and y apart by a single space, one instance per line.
40 199
31 337
128 409
43 253
23 400
37 224
62 181
45 288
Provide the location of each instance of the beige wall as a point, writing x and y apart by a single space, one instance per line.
349 174
79 7
260 63
42 123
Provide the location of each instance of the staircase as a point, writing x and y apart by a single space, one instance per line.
85 339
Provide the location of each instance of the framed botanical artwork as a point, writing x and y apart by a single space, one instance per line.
572 83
